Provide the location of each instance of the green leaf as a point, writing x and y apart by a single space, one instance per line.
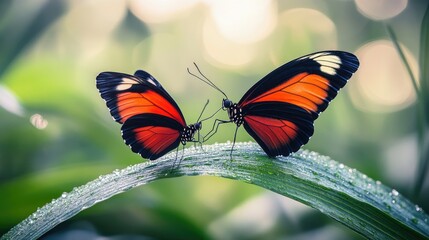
350 197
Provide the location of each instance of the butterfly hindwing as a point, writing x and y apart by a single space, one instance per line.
279 128
151 135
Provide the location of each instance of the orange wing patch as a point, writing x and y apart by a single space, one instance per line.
275 134
305 90
155 139
133 103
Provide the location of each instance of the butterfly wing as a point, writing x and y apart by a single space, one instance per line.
279 128
151 119
309 82
128 95
280 109
151 135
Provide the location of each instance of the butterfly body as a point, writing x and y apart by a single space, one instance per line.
280 109
235 113
188 133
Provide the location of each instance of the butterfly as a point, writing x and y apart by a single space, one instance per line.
280 109
152 123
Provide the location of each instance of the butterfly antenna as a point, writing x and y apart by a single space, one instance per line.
208 80
204 108
205 79
201 79
207 118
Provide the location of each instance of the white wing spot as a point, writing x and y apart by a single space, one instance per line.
328 58
128 80
329 64
328 70
152 82
123 86
317 55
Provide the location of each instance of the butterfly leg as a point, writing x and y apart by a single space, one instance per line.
181 158
175 159
216 124
233 142
199 141
200 144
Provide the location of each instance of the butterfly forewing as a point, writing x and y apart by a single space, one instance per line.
280 109
128 95
309 82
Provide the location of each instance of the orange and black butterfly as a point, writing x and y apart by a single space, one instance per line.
152 122
280 109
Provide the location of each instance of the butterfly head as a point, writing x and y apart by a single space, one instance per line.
226 104
198 126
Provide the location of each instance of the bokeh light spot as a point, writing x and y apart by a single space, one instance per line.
38 121
157 11
88 24
224 51
381 9
244 21
382 83
303 30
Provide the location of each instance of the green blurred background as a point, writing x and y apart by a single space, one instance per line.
56 132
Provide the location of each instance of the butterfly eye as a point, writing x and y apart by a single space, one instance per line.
198 125
226 103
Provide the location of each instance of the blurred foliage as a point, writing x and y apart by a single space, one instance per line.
423 103
51 51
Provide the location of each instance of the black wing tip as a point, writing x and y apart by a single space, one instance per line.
107 80
142 74
351 61
109 75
